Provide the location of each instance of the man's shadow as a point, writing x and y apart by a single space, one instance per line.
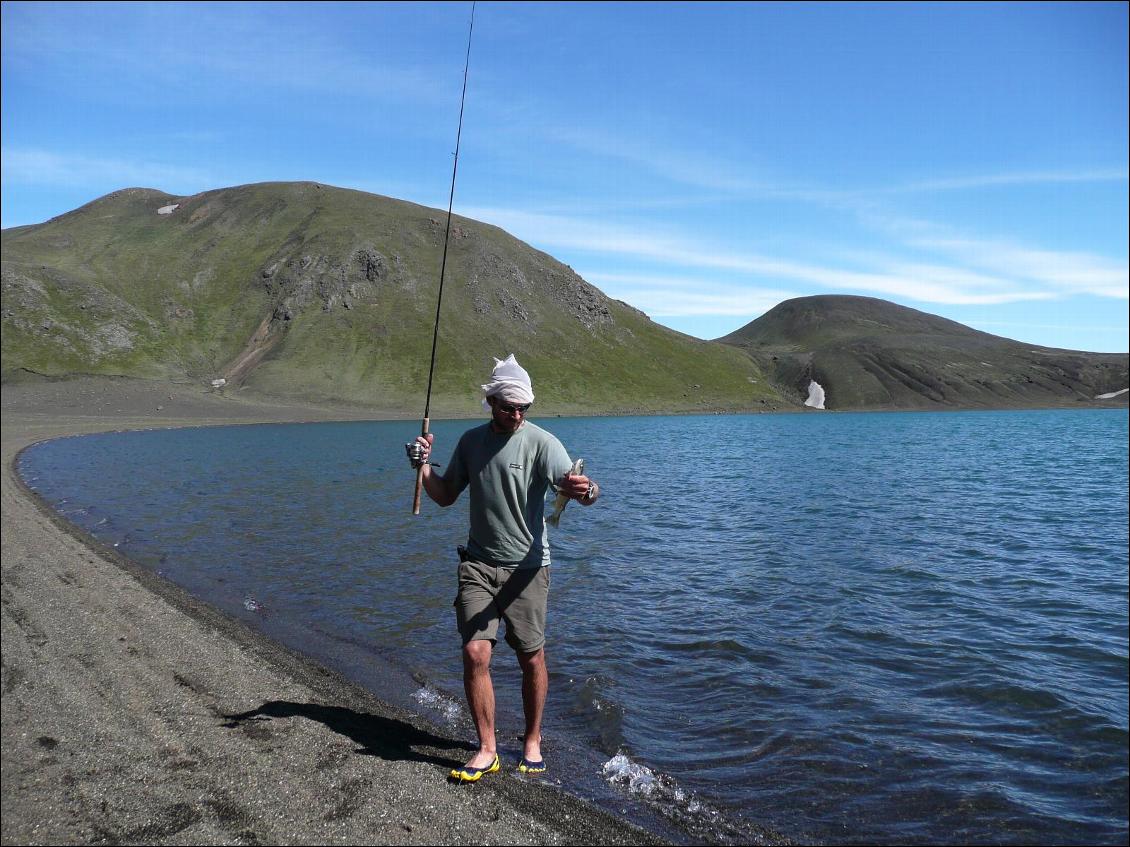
377 736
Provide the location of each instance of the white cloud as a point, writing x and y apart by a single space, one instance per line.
694 169
25 166
892 277
667 296
235 45
1066 272
716 173
1020 178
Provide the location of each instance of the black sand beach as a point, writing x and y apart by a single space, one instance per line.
134 714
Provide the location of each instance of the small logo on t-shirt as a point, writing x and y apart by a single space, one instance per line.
516 467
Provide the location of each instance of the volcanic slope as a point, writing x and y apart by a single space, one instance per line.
872 354
323 294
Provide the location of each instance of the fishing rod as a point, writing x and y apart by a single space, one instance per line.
425 425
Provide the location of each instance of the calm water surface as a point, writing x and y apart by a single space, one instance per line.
865 628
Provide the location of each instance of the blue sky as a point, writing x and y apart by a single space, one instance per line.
700 161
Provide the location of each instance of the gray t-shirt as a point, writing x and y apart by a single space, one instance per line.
509 475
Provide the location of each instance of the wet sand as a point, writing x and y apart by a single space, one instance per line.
134 714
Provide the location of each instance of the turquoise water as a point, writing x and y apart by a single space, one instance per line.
857 628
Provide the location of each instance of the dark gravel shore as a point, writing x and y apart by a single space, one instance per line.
134 714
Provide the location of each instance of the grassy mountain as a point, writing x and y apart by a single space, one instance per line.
872 354
311 292
304 291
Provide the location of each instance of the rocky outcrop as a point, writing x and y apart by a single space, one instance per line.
586 303
518 288
96 324
326 282
297 283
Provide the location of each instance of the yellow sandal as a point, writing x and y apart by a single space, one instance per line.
466 774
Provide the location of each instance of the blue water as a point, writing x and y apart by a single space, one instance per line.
855 628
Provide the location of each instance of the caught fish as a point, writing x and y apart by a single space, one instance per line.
562 501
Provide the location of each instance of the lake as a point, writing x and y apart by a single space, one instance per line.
853 628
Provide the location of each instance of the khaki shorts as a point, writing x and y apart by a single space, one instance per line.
518 596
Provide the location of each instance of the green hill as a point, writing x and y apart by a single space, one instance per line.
310 292
872 354
319 294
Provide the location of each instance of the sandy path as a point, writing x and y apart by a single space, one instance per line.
119 691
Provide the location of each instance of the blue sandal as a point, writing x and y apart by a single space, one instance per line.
466 774
527 766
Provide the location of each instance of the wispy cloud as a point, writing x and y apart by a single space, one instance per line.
713 172
959 183
1063 271
891 276
1059 327
668 296
25 166
688 168
287 50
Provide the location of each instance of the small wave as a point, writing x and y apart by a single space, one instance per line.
437 702
642 780
1005 694
723 648
912 572
662 793
251 604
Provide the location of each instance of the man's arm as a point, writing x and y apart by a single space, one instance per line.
438 488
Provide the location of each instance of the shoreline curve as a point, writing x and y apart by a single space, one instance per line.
135 713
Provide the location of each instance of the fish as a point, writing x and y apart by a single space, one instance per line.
562 501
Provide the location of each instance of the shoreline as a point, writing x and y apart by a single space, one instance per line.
135 713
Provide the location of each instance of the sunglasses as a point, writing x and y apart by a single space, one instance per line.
508 409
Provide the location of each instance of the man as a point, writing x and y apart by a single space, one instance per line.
509 464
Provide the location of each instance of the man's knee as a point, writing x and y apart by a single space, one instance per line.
532 660
476 655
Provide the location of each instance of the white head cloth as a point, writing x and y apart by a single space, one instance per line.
509 382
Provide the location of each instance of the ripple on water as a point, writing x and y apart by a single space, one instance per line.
879 628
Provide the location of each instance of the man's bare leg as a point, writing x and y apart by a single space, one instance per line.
480 698
535 684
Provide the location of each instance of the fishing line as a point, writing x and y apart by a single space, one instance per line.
443 264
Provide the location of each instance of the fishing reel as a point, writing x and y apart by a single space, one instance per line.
416 455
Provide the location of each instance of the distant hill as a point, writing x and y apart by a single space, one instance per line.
314 293
317 293
872 354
